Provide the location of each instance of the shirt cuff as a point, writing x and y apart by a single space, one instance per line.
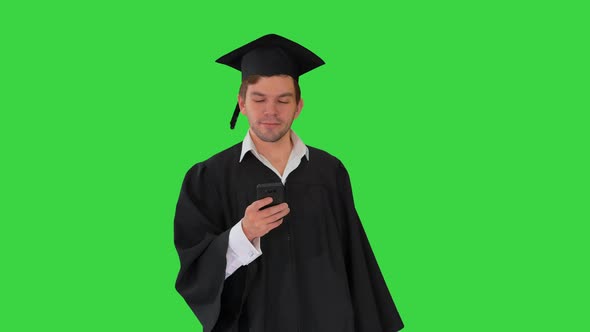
245 251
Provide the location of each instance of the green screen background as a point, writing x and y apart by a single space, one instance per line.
464 126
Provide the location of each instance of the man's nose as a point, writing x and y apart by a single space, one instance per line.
270 108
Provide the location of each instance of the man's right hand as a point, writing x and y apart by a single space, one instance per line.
257 223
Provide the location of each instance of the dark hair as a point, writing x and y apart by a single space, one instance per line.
253 79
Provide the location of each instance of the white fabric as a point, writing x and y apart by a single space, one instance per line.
240 251
299 150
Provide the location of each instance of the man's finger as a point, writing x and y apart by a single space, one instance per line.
276 216
273 210
259 204
275 224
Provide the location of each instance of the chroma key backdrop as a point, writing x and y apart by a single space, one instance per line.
464 126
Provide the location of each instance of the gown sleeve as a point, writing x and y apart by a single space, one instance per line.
201 241
373 306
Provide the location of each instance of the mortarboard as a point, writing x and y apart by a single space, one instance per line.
270 55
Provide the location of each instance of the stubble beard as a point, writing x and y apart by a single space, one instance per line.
271 136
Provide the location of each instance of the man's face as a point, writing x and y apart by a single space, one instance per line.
270 107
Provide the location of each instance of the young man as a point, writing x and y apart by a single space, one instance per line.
300 265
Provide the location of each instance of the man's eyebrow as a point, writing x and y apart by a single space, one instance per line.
282 95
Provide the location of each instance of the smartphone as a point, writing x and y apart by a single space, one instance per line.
276 190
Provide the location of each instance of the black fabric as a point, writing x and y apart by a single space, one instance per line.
269 61
317 271
234 117
271 55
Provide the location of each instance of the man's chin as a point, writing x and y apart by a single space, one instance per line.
270 137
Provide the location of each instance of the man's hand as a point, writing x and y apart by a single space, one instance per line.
257 223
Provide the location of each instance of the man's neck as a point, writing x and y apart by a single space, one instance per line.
277 153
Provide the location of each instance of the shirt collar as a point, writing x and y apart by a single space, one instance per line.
299 148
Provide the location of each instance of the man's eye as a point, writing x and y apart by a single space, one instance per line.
283 101
259 101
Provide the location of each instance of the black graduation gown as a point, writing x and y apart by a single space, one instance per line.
317 271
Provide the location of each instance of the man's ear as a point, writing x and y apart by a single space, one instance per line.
299 108
242 104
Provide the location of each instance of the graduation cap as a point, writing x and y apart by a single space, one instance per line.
267 56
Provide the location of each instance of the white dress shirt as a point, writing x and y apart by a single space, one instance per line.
240 251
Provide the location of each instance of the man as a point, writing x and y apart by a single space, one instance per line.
300 265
